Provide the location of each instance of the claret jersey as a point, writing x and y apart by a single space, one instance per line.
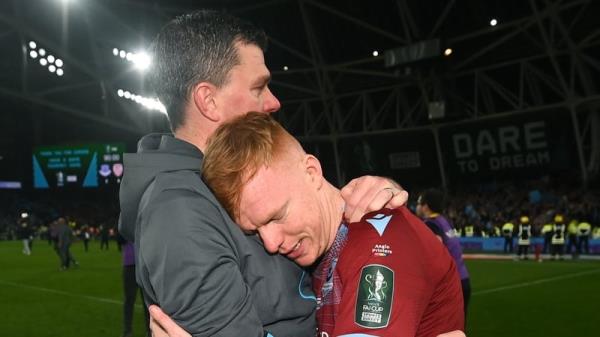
387 275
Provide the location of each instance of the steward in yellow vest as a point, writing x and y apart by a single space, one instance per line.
507 232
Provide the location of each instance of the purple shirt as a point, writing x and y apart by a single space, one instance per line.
128 254
452 243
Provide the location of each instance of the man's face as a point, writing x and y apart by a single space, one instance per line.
247 88
282 203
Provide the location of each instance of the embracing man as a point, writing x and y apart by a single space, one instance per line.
192 259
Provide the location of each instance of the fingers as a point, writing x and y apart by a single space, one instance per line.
358 194
370 193
163 326
455 333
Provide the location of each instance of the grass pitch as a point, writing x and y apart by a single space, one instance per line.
509 298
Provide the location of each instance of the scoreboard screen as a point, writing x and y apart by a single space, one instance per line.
87 165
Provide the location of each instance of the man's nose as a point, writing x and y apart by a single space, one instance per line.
270 104
271 238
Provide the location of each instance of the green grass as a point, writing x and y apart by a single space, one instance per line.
39 300
509 298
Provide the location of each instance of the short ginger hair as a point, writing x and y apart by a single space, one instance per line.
235 153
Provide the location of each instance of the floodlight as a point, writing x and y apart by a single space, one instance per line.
127 94
448 51
285 68
50 58
493 22
52 68
375 53
42 51
58 62
141 60
43 61
115 51
120 92
59 72
33 54
32 44
122 54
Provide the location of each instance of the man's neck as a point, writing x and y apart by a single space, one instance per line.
197 137
334 206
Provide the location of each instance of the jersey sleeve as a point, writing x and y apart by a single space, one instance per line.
190 269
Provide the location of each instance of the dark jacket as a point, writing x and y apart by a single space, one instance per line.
195 262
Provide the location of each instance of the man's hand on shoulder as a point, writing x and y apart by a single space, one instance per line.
162 325
370 193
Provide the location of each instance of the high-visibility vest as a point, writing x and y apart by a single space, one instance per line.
524 234
572 227
469 230
584 229
547 228
507 229
596 233
558 237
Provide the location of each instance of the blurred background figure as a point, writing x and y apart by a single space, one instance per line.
523 237
104 236
65 238
130 289
558 237
507 233
583 236
429 207
25 233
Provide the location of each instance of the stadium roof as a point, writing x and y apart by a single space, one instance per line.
537 54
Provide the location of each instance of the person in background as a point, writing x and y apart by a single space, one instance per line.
130 289
65 238
429 207
104 237
507 233
558 237
583 232
523 237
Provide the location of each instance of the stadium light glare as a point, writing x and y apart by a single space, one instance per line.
448 51
141 60
122 54
115 52
285 68
33 54
493 22
43 62
50 59
52 68
58 62
42 52
375 53
147 102
59 72
129 56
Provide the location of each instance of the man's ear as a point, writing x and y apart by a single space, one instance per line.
313 169
204 100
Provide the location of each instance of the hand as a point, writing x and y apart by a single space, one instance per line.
369 193
162 325
455 333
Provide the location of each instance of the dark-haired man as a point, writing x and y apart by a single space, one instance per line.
192 258
429 207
